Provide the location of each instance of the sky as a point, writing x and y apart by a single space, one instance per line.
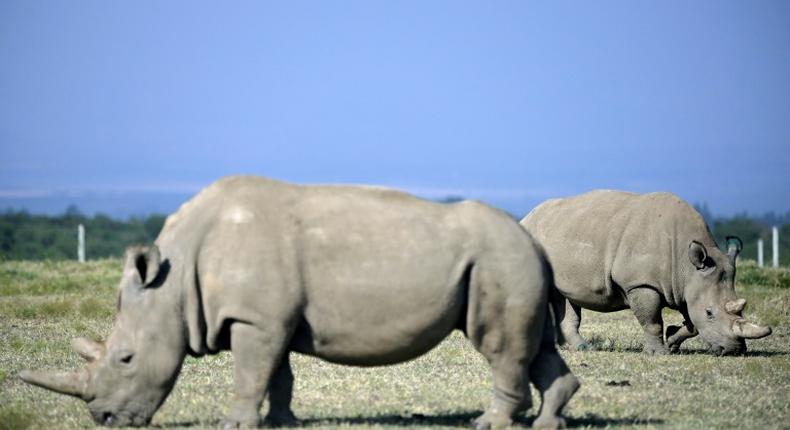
131 107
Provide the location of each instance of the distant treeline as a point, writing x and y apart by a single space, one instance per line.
750 228
36 237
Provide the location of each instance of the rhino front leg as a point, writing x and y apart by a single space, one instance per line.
570 322
256 355
676 335
646 304
280 395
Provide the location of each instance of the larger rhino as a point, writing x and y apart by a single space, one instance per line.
612 250
354 275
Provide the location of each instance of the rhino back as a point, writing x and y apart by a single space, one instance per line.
378 274
602 243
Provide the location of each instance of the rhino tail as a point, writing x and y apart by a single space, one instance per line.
556 301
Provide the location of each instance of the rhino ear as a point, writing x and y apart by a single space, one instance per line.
698 255
144 261
734 247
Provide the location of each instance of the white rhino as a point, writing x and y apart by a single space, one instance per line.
354 275
612 250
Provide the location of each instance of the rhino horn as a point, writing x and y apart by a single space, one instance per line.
735 306
749 330
88 349
69 383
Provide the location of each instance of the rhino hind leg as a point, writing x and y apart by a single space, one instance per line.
553 379
556 385
280 395
511 395
509 337
571 319
646 304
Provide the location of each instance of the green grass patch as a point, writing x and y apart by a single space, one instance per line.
17 417
41 278
55 289
96 308
57 308
750 273
21 345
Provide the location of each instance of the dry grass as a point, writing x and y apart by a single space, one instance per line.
44 305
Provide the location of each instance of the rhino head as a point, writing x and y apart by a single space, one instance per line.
712 304
130 374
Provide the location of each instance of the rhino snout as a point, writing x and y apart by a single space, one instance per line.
105 418
112 419
738 348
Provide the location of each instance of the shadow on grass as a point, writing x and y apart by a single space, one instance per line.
465 419
450 419
596 421
600 344
747 354
694 352
608 344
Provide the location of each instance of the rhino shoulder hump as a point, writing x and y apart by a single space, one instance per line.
544 206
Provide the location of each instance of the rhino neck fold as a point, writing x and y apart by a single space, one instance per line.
674 296
183 256
193 314
188 307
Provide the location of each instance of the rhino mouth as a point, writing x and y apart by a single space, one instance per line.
722 351
110 419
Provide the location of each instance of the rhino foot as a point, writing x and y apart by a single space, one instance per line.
582 346
549 422
656 350
489 421
230 422
282 419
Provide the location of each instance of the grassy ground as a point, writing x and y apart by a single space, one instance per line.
44 305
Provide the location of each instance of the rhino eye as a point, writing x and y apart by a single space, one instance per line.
709 313
126 358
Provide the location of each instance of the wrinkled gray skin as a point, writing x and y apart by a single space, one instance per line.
353 275
612 250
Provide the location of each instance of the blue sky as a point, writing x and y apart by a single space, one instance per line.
508 102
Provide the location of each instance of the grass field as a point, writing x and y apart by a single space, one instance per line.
45 304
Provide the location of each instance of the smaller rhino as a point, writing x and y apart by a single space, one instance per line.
612 250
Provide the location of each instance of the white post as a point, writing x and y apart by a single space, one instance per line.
775 237
81 243
760 252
